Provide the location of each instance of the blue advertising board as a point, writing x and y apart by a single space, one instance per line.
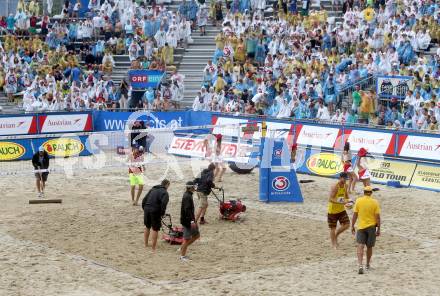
114 121
24 149
143 79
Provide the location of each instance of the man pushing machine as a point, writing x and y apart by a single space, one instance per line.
40 161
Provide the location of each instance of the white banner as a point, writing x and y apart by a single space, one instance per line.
65 123
374 142
421 147
317 136
20 125
195 147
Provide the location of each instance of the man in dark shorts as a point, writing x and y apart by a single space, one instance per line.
155 205
188 220
367 211
40 161
204 187
336 209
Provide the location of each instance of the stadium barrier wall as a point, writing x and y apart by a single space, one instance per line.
413 159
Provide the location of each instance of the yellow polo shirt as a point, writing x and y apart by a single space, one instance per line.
367 208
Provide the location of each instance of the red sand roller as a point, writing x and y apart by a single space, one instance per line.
229 210
172 234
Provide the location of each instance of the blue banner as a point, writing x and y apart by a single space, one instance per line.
143 79
114 121
24 149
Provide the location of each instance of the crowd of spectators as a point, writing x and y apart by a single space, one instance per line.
66 62
295 63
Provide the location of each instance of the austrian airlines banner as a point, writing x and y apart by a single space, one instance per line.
374 142
18 125
419 147
60 123
318 136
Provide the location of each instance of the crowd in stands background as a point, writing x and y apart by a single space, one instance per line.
64 63
294 64
291 65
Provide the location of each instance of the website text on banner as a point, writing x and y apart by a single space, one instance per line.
143 79
18 125
427 177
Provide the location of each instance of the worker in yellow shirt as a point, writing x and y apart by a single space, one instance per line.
336 209
367 211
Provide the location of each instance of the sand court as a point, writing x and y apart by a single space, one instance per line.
93 242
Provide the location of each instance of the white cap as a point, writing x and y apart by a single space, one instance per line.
141 148
41 149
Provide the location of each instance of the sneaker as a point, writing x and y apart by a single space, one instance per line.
40 195
367 268
184 259
361 270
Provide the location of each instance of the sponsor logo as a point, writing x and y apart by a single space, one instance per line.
277 153
427 177
316 135
11 151
63 122
325 164
11 125
365 141
63 147
422 147
280 183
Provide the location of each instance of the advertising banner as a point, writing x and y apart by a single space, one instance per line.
18 125
393 86
195 147
419 147
323 164
23 149
318 136
383 170
116 121
427 177
63 123
374 142
143 79
11 150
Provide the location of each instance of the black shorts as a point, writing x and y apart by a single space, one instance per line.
152 220
366 236
189 232
342 217
43 176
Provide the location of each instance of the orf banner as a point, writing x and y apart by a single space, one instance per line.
143 79
427 177
393 86
383 170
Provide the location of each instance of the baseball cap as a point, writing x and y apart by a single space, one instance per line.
368 189
190 184
141 148
41 149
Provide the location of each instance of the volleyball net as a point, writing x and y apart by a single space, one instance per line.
74 152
